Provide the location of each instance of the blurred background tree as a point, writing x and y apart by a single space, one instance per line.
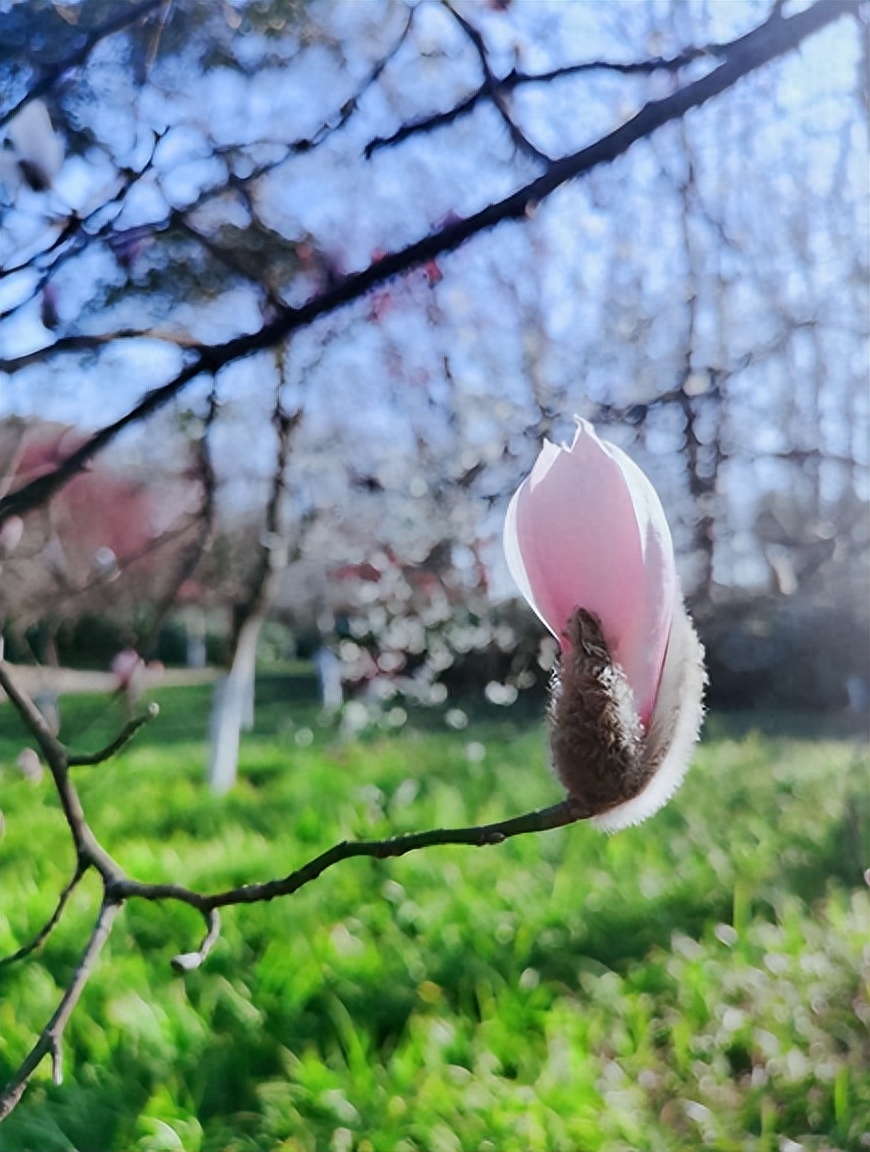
290 294
193 170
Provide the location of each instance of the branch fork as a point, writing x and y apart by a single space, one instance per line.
118 887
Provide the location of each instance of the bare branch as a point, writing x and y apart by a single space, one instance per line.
114 746
518 79
84 343
33 719
118 887
493 89
49 1042
188 961
542 820
70 227
770 40
88 848
228 258
50 76
272 551
350 105
426 123
74 236
44 932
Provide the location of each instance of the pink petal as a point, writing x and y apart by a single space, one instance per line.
586 530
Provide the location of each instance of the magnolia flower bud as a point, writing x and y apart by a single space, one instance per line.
587 542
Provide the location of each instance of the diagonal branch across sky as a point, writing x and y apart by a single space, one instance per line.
776 37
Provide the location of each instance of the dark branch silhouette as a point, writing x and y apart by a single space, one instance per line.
477 836
76 234
118 887
189 961
774 38
50 1039
495 88
86 343
352 103
87 759
51 75
46 930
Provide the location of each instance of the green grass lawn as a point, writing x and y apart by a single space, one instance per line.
695 983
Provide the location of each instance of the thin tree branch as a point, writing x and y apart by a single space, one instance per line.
70 228
88 848
75 236
118 887
352 103
86 759
74 226
51 75
426 123
84 343
188 961
493 89
229 259
50 1039
516 78
770 40
44 932
542 820
33 719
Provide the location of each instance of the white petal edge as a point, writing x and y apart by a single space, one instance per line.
678 715
513 554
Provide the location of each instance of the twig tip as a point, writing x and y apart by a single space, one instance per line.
56 1061
187 961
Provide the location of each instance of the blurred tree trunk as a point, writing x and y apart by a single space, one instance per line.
233 702
233 707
